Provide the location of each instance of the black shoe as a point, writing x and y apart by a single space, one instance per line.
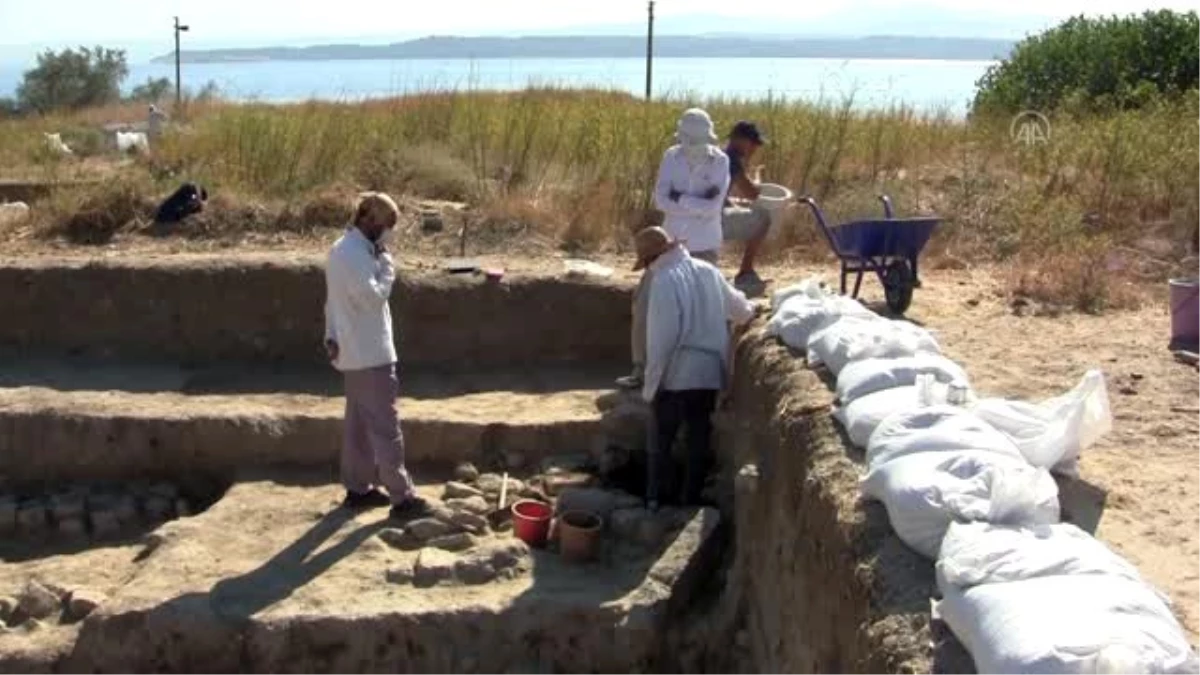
410 509
371 499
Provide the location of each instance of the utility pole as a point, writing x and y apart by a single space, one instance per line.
649 48
178 90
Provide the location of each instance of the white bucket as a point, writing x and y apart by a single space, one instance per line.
773 197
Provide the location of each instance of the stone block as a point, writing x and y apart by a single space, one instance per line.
159 508
32 517
67 506
72 529
8 515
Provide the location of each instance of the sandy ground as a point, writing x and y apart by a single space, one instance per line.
1147 470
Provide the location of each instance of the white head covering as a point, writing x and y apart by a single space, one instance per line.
695 127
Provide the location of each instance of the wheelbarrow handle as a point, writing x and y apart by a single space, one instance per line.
812 204
887 206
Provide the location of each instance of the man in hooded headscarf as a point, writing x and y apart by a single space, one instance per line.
692 181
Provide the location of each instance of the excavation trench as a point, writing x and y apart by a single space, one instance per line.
153 396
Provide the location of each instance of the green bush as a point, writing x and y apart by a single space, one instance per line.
1099 64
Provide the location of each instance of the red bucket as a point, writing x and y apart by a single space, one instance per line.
531 521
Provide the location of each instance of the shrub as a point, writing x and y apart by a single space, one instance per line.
1113 62
73 79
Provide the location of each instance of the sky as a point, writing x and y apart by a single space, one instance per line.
145 25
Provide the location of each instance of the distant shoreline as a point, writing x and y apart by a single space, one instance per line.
675 47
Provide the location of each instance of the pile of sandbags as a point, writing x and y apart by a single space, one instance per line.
965 481
1052 599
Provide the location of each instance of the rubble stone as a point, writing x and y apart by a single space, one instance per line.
425 529
466 473
37 601
471 522
477 505
455 490
459 541
80 603
433 565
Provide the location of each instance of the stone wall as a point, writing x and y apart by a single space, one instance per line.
203 311
824 583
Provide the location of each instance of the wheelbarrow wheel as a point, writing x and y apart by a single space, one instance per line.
898 282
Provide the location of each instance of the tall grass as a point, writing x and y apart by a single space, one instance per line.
585 161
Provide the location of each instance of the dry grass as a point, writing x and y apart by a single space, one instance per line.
576 167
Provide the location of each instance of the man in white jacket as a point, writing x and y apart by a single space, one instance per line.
358 337
690 191
687 350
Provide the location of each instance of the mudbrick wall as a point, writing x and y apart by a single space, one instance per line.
201 311
819 579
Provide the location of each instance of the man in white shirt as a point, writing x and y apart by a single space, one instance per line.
687 350
690 191
358 337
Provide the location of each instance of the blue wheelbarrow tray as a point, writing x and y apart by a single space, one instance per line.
883 238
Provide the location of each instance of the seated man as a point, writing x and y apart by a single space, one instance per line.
742 219
687 350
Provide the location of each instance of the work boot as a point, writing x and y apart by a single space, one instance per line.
750 284
359 501
632 381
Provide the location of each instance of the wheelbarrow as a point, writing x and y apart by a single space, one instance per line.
889 247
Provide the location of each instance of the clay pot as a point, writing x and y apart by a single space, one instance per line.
578 535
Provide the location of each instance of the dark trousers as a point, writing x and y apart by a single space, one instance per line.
693 409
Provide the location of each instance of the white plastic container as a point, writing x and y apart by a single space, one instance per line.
774 197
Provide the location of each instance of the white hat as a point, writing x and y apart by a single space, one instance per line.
695 127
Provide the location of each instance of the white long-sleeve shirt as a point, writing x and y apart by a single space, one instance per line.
358 282
693 219
687 337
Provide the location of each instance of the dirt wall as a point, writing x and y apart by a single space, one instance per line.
825 584
52 445
211 311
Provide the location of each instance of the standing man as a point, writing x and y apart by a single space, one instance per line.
687 351
358 338
690 191
743 219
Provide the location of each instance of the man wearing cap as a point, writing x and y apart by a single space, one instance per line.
686 356
358 338
743 219
690 191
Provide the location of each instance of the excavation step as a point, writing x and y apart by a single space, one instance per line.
63 420
276 578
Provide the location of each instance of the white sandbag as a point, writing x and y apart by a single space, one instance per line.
800 316
1052 433
132 141
1051 599
936 428
860 417
981 553
14 213
925 492
868 376
851 339
813 288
